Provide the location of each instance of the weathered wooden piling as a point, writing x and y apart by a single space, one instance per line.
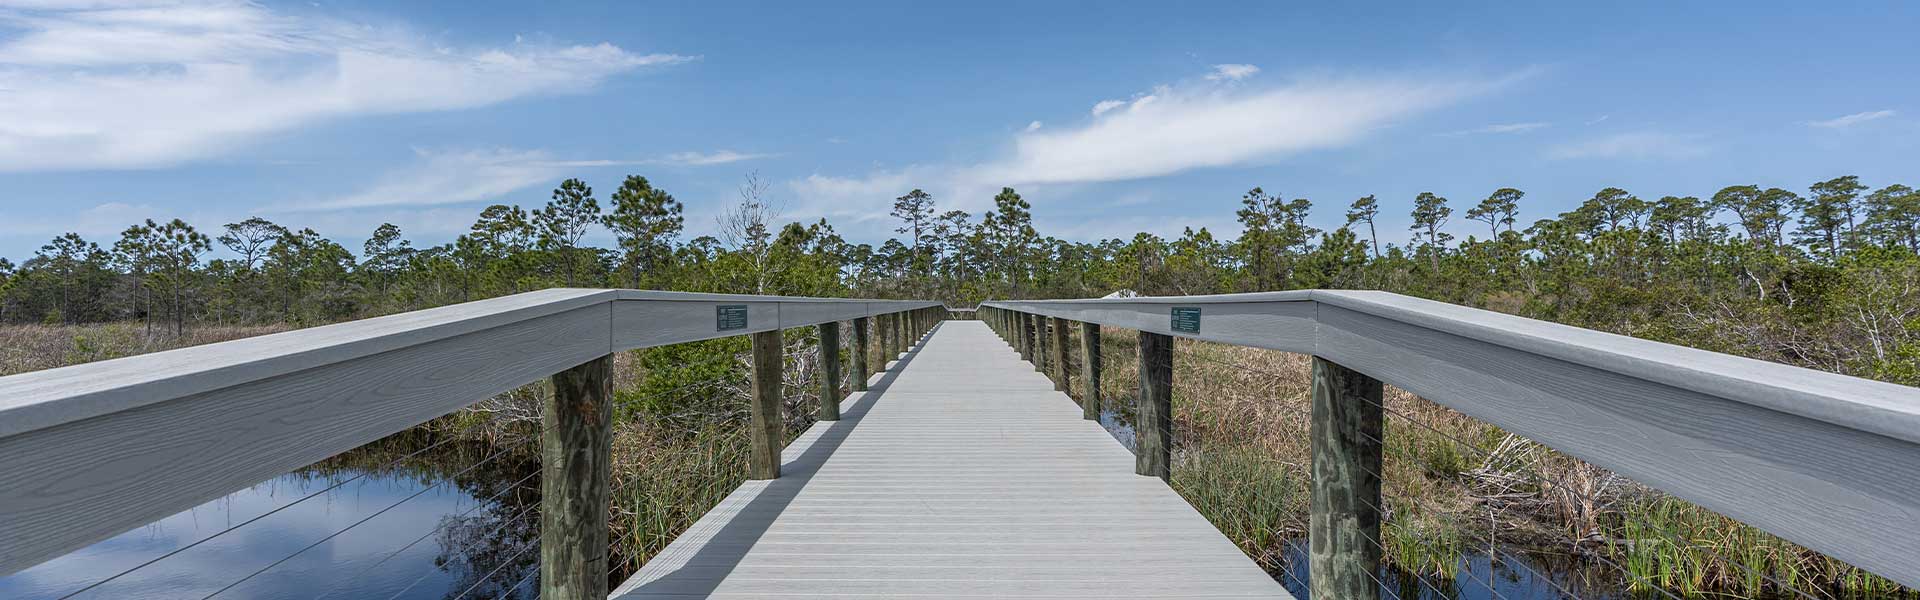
1040 344
767 425
576 472
1023 332
830 371
1344 521
859 355
1090 371
1059 347
1154 427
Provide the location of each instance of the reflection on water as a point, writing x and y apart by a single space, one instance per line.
470 527
1514 576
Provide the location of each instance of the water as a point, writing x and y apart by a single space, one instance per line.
1514 576
465 528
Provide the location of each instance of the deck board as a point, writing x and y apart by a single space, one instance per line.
960 474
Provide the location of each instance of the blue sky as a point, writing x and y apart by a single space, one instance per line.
1109 117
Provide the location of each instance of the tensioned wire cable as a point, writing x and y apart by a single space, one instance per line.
1536 574
449 439
317 543
443 525
490 533
1488 583
503 564
1561 485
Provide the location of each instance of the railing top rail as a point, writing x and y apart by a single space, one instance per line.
1876 406
90 450
41 399
1828 461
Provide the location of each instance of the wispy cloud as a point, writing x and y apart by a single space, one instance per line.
1232 72
1178 128
1634 145
1197 124
1852 119
442 177
455 177
698 159
211 75
1501 128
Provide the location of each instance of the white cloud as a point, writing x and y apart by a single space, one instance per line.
696 159
1634 145
1852 119
1232 72
478 175
455 177
1175 129
1502 128
1195 125
1034 126
850 199
130 85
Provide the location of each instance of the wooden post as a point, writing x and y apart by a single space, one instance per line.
1343 522
860 372
830 371
576 472
885 343
1090 371
1032 332
897 343
1059 347
1023 333
1154 427
1040 344
768 426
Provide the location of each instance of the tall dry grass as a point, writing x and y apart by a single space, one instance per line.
1452 485
26 348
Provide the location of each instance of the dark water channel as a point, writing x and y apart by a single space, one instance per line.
435 528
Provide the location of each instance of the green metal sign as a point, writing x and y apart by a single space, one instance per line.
730 316
1186 319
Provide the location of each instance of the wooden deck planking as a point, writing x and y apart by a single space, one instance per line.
960 474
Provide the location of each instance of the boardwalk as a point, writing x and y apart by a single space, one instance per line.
961 474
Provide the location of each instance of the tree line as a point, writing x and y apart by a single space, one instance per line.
1829 278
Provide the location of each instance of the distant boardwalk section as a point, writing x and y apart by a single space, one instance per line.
961 473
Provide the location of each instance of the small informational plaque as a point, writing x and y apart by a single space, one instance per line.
1186 319
734 316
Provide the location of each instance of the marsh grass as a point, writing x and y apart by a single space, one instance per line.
1241 458
26 348
1241 418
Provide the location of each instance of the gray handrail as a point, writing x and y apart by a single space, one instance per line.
1828 461
92 450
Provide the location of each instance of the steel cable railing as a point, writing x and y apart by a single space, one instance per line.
1421 580
1551 483
1486 583
450 438
362 520
443 525
458 435
1413 497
